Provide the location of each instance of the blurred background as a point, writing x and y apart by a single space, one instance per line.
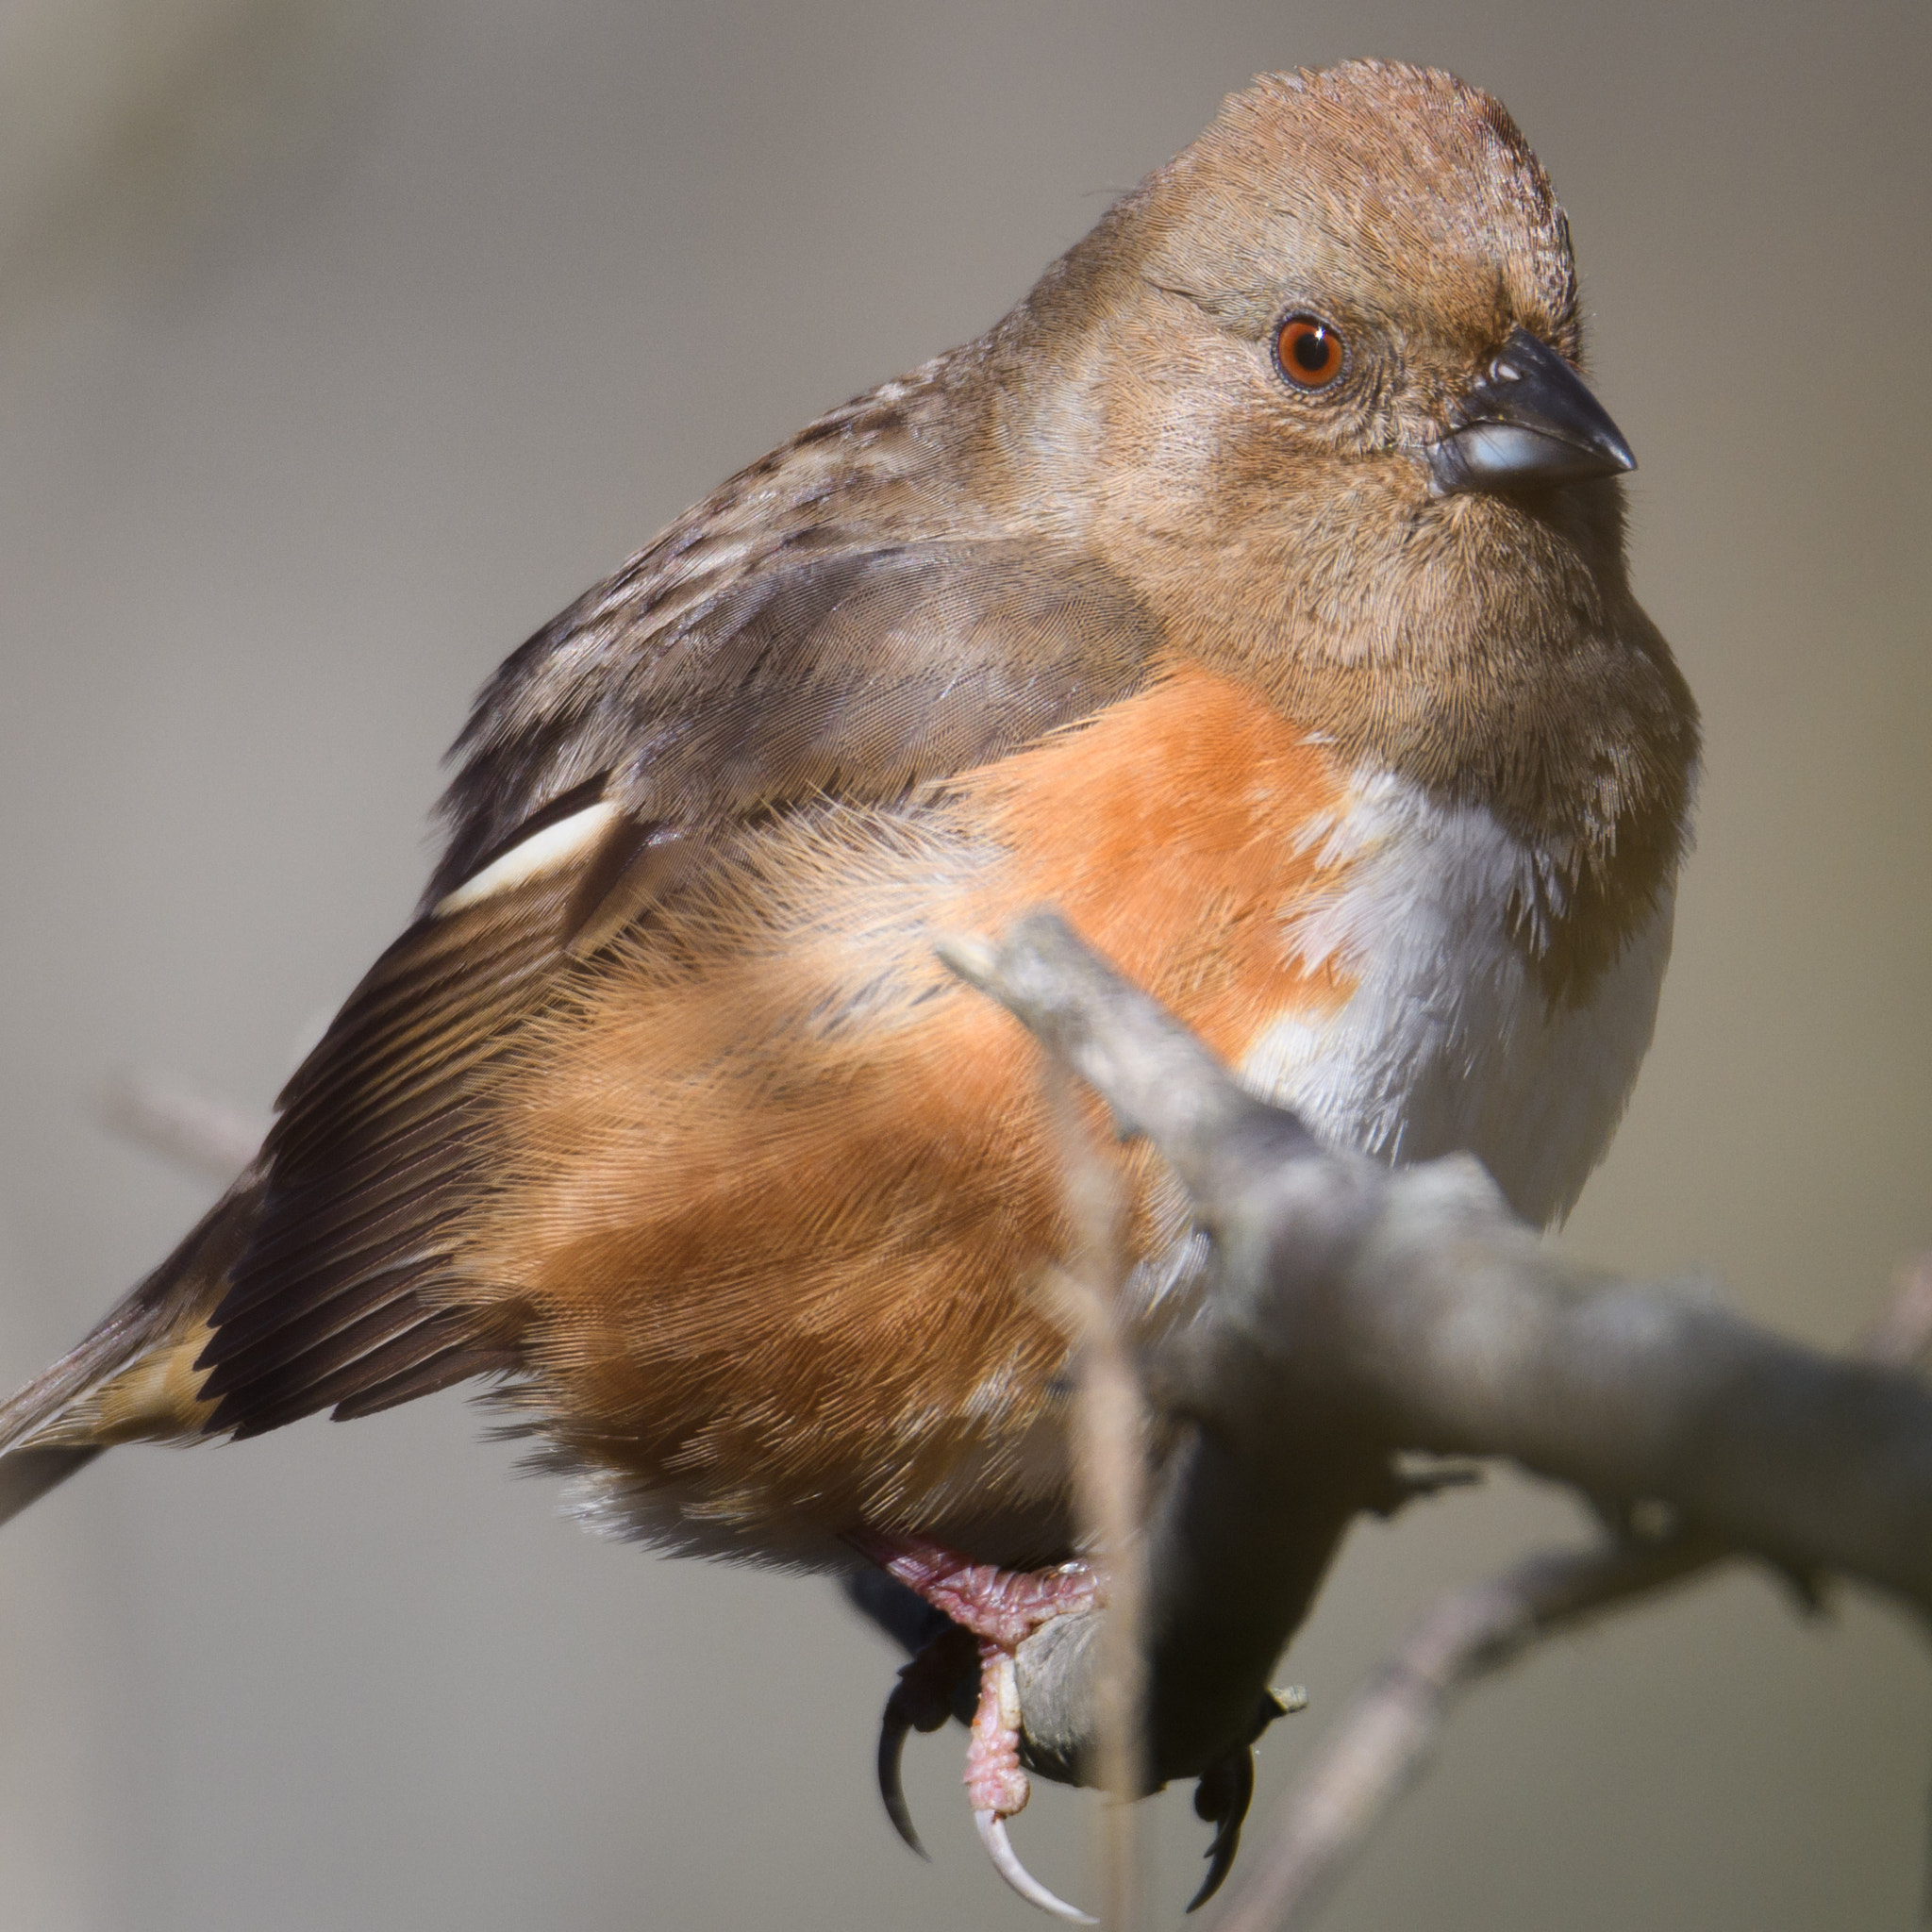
340 343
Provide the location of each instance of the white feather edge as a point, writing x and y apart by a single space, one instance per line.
542 852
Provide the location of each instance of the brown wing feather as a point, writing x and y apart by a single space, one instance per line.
863 676
375 1153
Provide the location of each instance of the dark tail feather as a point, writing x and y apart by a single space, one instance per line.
133 1379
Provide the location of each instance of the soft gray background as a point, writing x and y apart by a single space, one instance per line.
341 344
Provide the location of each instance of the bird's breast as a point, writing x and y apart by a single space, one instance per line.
1355 945
1450 1040
780 1198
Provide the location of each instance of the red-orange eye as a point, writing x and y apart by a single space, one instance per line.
1309 352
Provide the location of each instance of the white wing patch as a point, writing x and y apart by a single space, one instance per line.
543 850
1448 1041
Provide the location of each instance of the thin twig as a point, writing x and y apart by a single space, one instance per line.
1901 1332
1109 1494
1381 1742
208 1137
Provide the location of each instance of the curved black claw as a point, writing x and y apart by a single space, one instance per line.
1225 1790
922 1700
893 1729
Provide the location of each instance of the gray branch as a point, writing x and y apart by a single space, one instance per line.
1380 1743
1355 1311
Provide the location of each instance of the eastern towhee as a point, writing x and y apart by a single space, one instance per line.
1253 592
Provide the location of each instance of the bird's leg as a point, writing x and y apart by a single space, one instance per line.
1002 1608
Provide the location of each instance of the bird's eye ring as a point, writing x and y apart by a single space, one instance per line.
1310 352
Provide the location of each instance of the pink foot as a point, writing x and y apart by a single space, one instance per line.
1000 1607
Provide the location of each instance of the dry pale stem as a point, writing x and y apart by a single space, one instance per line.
188 1128
1109 1485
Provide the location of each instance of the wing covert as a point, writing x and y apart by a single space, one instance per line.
602 767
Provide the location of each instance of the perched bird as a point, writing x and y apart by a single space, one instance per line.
1255 593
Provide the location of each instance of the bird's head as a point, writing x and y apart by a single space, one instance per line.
1332 352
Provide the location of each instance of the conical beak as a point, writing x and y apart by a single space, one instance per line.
1528 421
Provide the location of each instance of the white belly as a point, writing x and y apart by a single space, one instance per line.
1448 1041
